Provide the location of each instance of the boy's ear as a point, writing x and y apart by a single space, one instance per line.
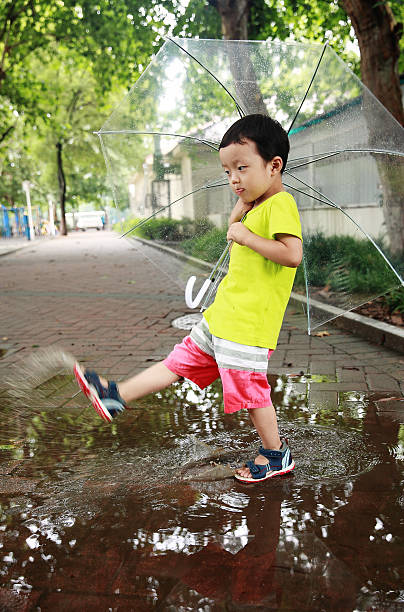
276 164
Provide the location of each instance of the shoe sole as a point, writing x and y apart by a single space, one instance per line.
290 467
91 393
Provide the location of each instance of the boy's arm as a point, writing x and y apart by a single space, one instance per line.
286 250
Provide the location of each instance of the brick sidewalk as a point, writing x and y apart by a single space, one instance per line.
100 298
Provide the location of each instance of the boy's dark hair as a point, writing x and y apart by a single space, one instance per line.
268 135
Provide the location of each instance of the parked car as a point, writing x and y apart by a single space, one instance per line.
94 219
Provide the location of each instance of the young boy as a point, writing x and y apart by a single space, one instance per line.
239 331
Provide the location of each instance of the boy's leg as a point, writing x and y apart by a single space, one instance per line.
265 422
186 360
153 379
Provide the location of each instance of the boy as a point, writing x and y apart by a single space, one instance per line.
239 331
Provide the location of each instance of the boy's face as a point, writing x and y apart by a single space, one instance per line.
251 177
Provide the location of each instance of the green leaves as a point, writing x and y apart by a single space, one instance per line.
58 63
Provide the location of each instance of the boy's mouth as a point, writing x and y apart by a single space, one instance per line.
239 190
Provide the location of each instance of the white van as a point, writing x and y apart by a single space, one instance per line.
94 219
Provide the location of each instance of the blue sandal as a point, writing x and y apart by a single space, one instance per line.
106 401
280 462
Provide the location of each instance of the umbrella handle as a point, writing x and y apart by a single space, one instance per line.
189 300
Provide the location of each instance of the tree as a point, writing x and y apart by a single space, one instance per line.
60 154
114 39
66 141
112 36
378 35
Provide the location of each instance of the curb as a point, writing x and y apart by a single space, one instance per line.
10 251
375 331
20 247
183 256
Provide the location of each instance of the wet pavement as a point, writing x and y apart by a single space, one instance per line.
143 514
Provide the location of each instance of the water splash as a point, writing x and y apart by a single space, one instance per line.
28 375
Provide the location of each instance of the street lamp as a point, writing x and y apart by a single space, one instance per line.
26 186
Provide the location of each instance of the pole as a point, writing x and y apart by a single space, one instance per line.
26 186
52 230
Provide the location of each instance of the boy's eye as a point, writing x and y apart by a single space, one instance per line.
227 172
241 167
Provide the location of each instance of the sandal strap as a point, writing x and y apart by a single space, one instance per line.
94 380
114 393
274 457
257 471
268 453
103 392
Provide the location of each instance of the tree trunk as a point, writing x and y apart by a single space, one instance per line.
391 178
62 190
378 35
234 15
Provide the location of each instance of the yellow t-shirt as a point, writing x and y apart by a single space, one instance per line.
251 300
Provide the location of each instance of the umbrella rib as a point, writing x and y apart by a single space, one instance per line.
216 279
143 221
239 110
109 170
311 196
222 262
306 283
213 145
329 202
326 200
310 84
340 151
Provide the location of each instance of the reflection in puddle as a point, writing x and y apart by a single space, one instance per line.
310 378
140 495
345 409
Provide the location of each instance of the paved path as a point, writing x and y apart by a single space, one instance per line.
100 298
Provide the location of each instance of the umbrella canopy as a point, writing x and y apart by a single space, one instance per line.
345 168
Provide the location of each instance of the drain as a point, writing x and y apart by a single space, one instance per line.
4 349
186 321
7 350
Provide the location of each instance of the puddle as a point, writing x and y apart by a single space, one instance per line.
152 496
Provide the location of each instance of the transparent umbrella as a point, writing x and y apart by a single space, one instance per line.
345 168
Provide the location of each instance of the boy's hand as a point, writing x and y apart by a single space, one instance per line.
239 210
239 233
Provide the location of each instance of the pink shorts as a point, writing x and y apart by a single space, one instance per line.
242 388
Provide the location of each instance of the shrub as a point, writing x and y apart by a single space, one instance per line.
344 263
395 300
209 246
124 226
172 230
161 229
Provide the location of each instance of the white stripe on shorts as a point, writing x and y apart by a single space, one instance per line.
228 354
